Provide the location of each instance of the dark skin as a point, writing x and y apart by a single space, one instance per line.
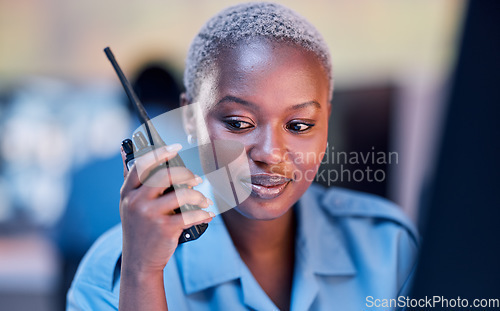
267 248
273 99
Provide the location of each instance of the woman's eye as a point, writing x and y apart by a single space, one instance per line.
299 126
239 125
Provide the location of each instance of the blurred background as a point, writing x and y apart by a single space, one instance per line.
63 113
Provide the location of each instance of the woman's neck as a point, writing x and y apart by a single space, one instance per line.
257 238
268 249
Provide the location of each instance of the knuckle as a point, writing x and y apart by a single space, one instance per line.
168 222
123 203
199 196
144 209
157 177
133 201
126 200
192 197
150 215
122 192
189 174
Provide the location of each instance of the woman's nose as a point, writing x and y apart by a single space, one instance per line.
269 146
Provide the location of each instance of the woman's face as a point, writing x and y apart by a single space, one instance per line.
273 99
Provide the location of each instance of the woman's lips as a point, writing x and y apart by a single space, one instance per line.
266 186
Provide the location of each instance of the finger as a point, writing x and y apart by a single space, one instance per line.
162 178
160 181
149 161
204 221
167 203
189 218
124 156
132 180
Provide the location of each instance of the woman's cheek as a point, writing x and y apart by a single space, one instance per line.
308 160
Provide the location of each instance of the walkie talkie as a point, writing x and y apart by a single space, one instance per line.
140 145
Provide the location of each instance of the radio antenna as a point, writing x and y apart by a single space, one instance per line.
153 135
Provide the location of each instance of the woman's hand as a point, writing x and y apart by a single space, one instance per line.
150 227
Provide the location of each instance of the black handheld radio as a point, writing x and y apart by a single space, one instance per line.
139 145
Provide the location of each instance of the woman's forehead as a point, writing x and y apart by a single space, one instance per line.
261 51
269 70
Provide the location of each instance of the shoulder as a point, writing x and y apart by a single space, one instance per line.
93 285
355 206
381 242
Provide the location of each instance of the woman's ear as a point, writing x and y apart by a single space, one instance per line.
184 101
188 115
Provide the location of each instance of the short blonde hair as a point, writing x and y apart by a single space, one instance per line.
245 21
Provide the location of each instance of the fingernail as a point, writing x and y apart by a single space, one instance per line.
195 181
174 147
203 204
210 202
212 214
198 179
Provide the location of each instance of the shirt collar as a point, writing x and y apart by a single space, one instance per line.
210 260
320 241
213 258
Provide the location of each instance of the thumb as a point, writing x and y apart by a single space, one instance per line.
125 170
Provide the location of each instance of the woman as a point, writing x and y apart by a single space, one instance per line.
262 76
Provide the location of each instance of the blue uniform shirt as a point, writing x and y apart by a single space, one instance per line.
349 246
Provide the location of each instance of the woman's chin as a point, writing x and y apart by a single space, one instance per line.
255 207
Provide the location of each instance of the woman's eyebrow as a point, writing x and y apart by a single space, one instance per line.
243 102
311 103
235 99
